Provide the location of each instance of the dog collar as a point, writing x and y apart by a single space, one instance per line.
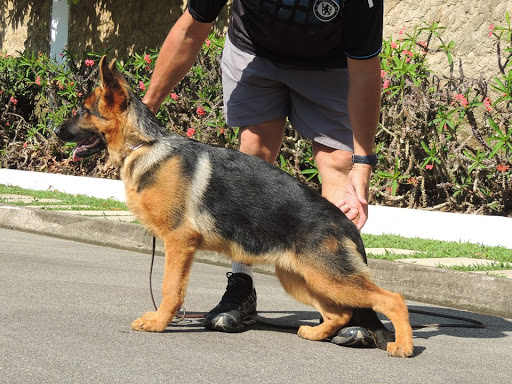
134 148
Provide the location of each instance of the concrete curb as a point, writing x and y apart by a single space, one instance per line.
462 290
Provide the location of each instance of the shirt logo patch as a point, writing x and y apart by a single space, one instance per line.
326 10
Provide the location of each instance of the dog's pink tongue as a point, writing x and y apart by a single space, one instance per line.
75 157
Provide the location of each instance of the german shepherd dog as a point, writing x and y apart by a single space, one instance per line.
196 196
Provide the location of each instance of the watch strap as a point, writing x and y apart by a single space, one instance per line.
369 160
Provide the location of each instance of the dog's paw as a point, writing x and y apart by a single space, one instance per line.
396 350
311 333
150 322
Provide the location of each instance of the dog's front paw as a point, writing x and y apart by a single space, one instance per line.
150 322
396 350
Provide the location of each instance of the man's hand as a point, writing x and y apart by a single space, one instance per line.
355 202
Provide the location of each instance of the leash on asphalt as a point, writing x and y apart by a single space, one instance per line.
468 323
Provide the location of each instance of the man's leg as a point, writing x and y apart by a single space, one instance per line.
239 301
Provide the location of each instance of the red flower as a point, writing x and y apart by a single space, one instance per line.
191 132
208 42
38 80
14 100
502 167
174 96
89 62
147 59
394 45
142 86
385 84
200 111
429 167
25 144
491 29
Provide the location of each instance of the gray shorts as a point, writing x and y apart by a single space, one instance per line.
257 90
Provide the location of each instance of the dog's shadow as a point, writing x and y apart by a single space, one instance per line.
427 322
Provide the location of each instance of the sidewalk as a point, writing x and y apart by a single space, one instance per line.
417 278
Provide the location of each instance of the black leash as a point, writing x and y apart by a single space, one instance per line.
151 273
469 323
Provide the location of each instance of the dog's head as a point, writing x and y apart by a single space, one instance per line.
101 121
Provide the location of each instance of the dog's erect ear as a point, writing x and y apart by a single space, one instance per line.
115 95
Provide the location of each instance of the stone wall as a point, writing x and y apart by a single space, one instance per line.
136 26
467 25
24 25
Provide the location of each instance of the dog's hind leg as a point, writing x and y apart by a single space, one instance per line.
358 291
334 316
332 296
393 306
180 246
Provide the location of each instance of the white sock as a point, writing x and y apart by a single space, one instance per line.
242 268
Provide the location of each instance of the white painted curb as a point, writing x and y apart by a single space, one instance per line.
39 181
487 230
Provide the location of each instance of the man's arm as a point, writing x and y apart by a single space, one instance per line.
364 111
176 57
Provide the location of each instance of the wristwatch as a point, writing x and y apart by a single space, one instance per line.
368 160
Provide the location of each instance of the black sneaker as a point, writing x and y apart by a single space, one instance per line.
236 307
354 337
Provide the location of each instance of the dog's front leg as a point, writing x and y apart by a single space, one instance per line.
179 251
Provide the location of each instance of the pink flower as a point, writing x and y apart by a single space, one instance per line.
174 96
221 131
147 59
38 80
142 86
385 84
429 167
487 104
89 62
461 100
208 43
491 29
401 34
200 111
383 73
191 132
25 144
502 167
13 100
394 45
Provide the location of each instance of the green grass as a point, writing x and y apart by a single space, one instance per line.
427 248
494 266
90 203
436 248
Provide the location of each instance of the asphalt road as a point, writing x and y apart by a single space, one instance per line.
66 309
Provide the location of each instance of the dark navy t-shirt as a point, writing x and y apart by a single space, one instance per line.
306 33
